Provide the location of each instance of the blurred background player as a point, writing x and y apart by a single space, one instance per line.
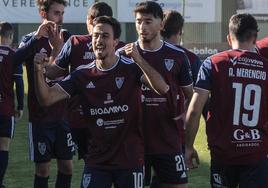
236 127
49 135
115 150
163 146
9 73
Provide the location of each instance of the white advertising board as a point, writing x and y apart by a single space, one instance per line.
26 11
195 10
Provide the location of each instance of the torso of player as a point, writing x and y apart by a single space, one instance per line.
162 132
6 81
37 113
238 114
112 108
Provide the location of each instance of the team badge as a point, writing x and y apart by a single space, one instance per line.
169 63
234 60
42 148
119 81
86 180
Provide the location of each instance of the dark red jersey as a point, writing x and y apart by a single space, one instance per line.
237 124
76 51
7 71
26 52
111 104
162 132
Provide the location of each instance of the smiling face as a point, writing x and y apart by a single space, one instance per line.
148 27
103 41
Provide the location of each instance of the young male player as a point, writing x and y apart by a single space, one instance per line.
115 152
9 73
49 134
236 81
163 144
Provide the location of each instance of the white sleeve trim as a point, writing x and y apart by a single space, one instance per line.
17 74
60 67
202 89
187 85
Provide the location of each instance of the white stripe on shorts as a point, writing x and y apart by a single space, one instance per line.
31 146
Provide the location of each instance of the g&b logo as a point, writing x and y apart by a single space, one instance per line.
253 134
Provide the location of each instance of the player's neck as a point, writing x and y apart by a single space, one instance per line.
154 44
4 42
107 63
173 40
248 46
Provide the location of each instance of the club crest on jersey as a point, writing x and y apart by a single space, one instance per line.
42 148
86 180
119 81
169 63
234 61
43 51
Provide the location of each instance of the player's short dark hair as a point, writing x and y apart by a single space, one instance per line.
6 29
111 21
44 5
149 7
99 9
173 23
243 27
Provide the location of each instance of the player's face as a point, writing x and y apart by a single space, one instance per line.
55 13
103 41
148 27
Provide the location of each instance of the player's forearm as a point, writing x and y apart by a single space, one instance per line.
19 92
154 79
53 71
193 116
25 51
192 125
41 87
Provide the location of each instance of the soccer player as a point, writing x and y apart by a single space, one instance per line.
172 33
237 120
115 148
8 75
77 51
163 144
49 135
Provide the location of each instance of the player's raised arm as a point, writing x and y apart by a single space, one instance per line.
46 95
151 77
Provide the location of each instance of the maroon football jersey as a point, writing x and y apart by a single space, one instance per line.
112 108
162 132
26 52
237 125
6 81
77 51
262 47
